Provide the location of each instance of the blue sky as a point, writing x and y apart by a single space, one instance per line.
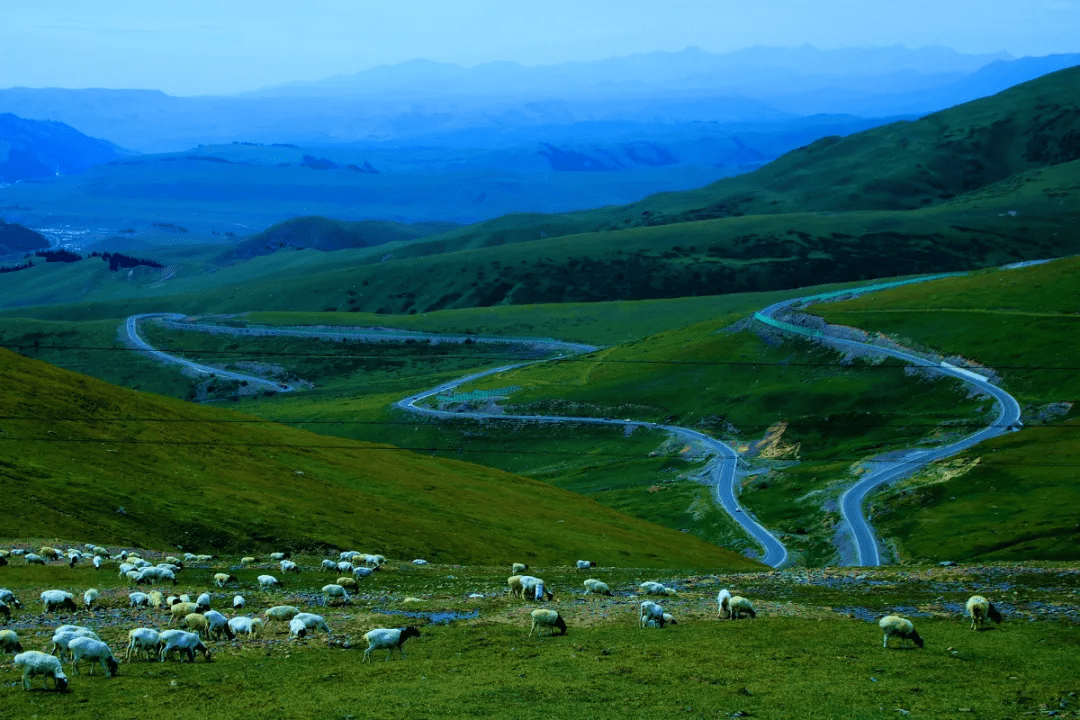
218 46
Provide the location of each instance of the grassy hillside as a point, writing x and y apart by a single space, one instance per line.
81 458
901 166
1012 498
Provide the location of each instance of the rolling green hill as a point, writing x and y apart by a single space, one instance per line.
80 458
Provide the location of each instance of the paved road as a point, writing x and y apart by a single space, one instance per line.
908 462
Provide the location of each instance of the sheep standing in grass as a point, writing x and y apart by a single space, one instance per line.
901 627
585 564
138 599
9 597
186 642
281 613
203 602
238 602
740 606
346 582
142 640
979 609
335 592
218 625
268 581
156 598
596 587
90 597
97 562
545 618
329 566
519 568
534 588
388 638
308 621
38 663
181 610
63 636
723 603
652 615
52 600
246 626
223 579
514 583
289 566
363 572
247 560
9 642
197 622
345 566
276 556
84 648
32 559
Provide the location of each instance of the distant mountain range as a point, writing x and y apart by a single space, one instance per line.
37 148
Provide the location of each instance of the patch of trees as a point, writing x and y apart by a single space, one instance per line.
15 268
119 260
61 255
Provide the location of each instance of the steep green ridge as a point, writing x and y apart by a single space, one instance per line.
328 235
901 166
1012 498
80 458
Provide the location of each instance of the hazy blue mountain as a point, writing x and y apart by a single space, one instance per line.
15 238
36 148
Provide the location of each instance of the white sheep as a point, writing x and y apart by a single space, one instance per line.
181 610
723 603
289 566
65 634
347 554
740 606
297 629
329 566
651 587
345 567
335 592
363 572
238 602
188 643
156 598
308 621
33 559
84 648
223 579
9 642
9 597
198 623
669 619
52 600
346 582
596 587
245 626
979 609
203 602
545 618
279 556
97 562
652 615
90 597
519 568
38 663
419 561
281 613
268 581
125 568
218 625
142 639
901 627
247 560
585 564
388 638
533 588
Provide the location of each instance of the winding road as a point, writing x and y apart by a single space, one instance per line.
722 467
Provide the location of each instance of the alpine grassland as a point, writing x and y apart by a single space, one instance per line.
1012 497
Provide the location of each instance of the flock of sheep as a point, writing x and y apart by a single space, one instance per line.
197 621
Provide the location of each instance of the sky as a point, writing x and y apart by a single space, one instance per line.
188 47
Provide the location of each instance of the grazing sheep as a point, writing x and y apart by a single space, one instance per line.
652 615
347 554
90 597
596 587
203 602
32 559
268 581
281 613
388 638
669 619
188 643
50 553
153 575
9 642
902 627
723 603
514 583
247 560
52 600
156 598
309 621
651 587
585 564
980 610
419 561
346 582
545 618
173 561
181 610
197 622
172 600
97 562
64 635
144 640
223 579
133 576
84 648
138 599
245 626
9 597
289 566
38 663
218 625
125 568
335 592
740 606
280 556
519 568
329 566
363 572
184 597
534 588
205 558
238 602
297 629
345 567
